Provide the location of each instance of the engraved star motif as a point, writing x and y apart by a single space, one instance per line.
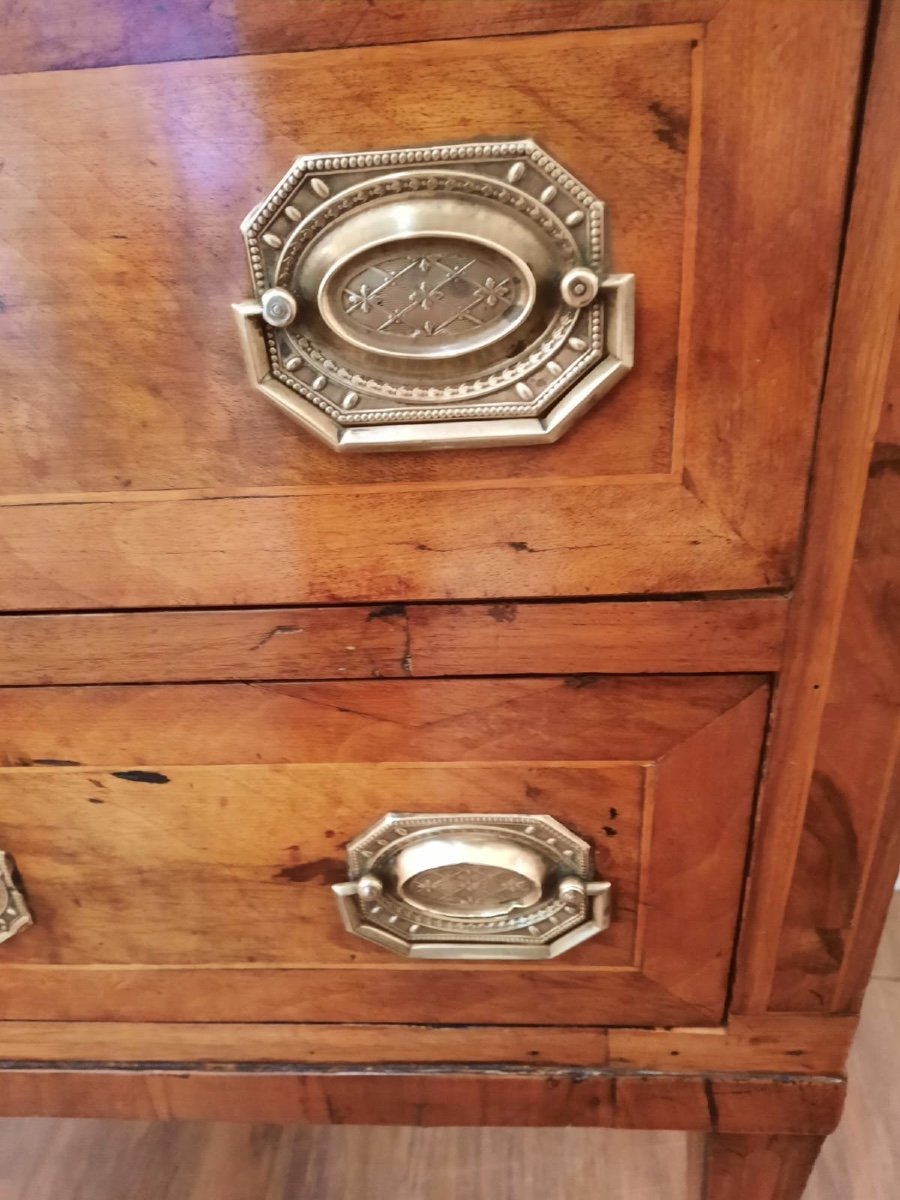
424 295
361 299
492 291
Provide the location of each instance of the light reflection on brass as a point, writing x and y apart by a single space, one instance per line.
14 914
432 297
479 886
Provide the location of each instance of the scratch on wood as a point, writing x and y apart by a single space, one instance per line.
275 632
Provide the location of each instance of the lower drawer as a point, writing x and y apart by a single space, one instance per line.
177 843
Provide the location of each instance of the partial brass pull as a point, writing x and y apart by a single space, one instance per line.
473 886
433 297
14 914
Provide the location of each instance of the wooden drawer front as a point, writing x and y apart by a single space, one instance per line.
140 467
178 842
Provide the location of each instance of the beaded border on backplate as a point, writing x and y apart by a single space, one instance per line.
581 331
537 924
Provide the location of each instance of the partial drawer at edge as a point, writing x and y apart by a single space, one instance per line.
178 843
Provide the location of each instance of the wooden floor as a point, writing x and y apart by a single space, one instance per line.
93 1160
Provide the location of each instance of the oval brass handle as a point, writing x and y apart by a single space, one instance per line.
469 874
14 914
428 297
472 886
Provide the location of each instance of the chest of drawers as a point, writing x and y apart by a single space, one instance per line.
606 620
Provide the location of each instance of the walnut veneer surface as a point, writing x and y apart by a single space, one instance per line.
167 483
224 650
63 1159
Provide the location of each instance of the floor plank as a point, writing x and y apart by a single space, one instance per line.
106 1160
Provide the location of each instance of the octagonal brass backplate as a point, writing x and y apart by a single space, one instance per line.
433 297
482 885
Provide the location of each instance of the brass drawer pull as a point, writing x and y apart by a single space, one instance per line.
14 914
472 886
427 298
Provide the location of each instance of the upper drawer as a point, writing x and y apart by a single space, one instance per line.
142 469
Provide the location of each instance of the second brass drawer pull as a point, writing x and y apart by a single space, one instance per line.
14 914
472 886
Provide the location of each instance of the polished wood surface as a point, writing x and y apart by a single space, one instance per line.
189 1161
171 646
794 1045
390 640
75 552
160 403
169 483
574 719
678 635
201 892
65 1160
830 792
237 864
141 474
750 1167
42 35
850 847
528 1096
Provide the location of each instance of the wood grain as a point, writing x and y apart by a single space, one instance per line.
322 548
679 635
170 646
539 1096
850 848
64 1159
790 1044
201 893
783 1045
707 840
465 994
847 792
174 646
210 139
751 1167
763 60
40 35
577 719
233 866
165 485
225 504
59 1160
